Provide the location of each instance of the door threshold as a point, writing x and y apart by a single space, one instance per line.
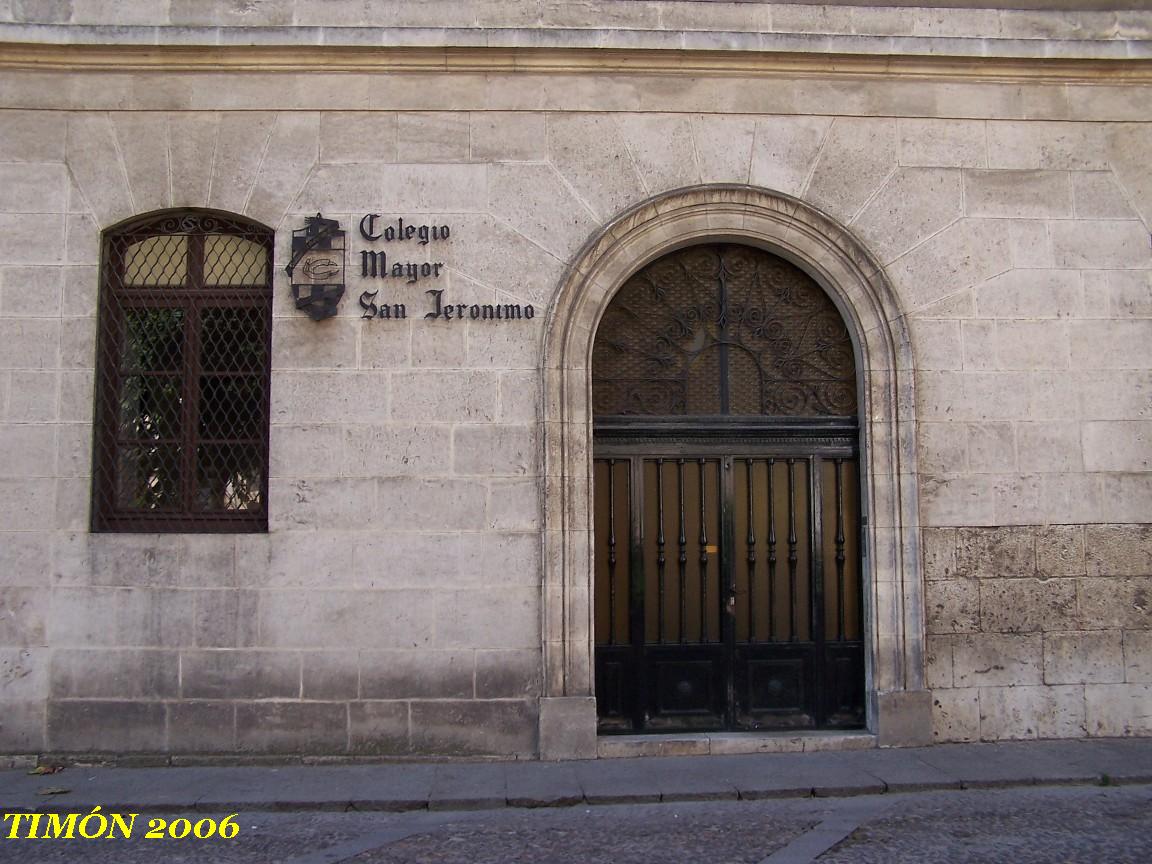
731 743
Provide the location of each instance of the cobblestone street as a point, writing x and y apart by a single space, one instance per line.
1056 824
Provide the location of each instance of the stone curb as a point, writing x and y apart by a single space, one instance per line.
401 805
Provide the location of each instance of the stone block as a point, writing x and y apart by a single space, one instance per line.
288 160
1111 344
207 561
519 397
1124 445
32 136
417 674
27 451
25 559
506 559
508 674
142 137
358 137
1097 196
937 344
414 560
105 726
321 503
497 255
1049 447
724 148
939 545
1138 656
992 660
937 662
23 616
1115 710
662 149
1030 243
1111 395
567 728
1115 602
240 674
1028 605
991 447
378 728
32 188
32 396
322 397
1095 657
855 158
1008 713
144 560
995 552
431 396
240 144
494 450
331 675
433 136
534 200
414 503
956 715
201 727
306 451
964 254
294 560
441 343
29 343
395 450
74 450
904 718
475 728
437 188
1060 551
1031 294
1118 550
1102 244
375 620
225 619
952 607
941 143
94 162
33 292
1049 145
589 152
505 136
956 501
299 343
75 397
1119 293
114 674
292 727
23 674
514 505
1018 194
943 448
513 345
22 727
485 619
92 617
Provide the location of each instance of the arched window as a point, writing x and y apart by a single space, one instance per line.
183 365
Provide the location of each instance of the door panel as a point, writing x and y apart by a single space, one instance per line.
728 590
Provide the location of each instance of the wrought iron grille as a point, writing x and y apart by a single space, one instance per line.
183 375
723 330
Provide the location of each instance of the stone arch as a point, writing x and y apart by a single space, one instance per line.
899 709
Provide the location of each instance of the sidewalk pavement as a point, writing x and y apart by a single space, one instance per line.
400 786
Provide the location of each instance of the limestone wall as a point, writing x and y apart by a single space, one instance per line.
395 604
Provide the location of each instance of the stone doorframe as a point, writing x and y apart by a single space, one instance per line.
899 708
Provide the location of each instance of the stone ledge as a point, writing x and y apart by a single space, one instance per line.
1120 46
731 743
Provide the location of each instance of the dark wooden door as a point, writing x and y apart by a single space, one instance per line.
727 499
727 587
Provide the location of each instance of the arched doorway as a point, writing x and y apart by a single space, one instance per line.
897 706
726 500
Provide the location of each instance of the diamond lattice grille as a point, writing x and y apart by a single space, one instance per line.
723 330
182 386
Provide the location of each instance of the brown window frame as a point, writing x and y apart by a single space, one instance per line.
193 296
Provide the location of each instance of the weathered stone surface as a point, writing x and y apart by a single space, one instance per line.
956 714
471 728
292 727
91 725
417 675
1060 551
993 660
1028 605
1115 602
114 674
953 607
1031 712
995 552
1115 710
240 674
378 728
1094 657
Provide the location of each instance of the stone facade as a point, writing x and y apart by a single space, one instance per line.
418 591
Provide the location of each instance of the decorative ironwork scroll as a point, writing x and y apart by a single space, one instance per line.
723 330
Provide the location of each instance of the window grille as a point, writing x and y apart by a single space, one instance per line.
181 439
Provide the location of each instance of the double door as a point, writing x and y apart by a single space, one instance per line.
728 584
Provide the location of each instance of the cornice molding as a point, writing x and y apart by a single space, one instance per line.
671 62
